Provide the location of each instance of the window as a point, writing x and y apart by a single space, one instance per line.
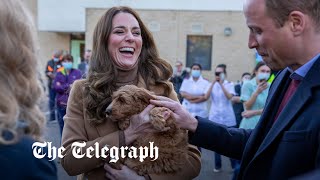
199 49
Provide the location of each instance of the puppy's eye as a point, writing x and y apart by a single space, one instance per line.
121 99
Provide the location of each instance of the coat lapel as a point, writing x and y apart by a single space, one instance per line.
259 133
294 105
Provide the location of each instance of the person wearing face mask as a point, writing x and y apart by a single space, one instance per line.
193 90
254 95
62 85
221 92
53 66
123 53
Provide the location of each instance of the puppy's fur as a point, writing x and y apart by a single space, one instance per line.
173 144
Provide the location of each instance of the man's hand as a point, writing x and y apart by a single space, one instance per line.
183 118
140 124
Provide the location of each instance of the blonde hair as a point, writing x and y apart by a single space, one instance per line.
20 88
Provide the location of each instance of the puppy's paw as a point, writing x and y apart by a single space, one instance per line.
124 124
157 118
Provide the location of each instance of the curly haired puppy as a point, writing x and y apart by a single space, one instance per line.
173 144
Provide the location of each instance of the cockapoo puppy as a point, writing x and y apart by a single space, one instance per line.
173 143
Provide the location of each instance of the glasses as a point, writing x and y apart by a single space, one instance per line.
217 73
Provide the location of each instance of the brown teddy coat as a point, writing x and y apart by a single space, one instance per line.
78 129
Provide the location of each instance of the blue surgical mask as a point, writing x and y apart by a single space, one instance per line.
55 59
195 73
67 65
263 76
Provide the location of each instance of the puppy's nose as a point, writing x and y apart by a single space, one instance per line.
109 110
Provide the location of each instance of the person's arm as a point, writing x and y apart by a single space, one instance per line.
60 84
235 99
250 113
225 91
207 94
261 87
246 95
49 70
188 96
198 99
193 98
75 131
224 140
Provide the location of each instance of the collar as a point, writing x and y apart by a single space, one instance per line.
200 78
301 72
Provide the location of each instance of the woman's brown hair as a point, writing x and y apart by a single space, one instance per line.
101 79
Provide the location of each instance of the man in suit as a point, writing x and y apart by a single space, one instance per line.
286 141
84 65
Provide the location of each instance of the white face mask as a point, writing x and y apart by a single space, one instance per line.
263 76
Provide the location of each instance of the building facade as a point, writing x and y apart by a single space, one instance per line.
208 32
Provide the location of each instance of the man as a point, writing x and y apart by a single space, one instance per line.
179 73
84 65
285 142
53 66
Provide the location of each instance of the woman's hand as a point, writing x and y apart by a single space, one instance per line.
248 113
183 118
140 124
261 87
124 174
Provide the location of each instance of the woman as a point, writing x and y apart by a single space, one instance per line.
123 53
62 85
221 110
192 90
254 95
21 121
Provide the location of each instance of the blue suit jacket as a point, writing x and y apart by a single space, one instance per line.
280 150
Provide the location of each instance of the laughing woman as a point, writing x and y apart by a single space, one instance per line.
123 53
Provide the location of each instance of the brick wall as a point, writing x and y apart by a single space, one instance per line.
176 25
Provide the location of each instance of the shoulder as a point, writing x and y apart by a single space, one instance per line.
78 88
59 74
50 61
19 157
79 83
228 83
205 80
76 71
246 84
